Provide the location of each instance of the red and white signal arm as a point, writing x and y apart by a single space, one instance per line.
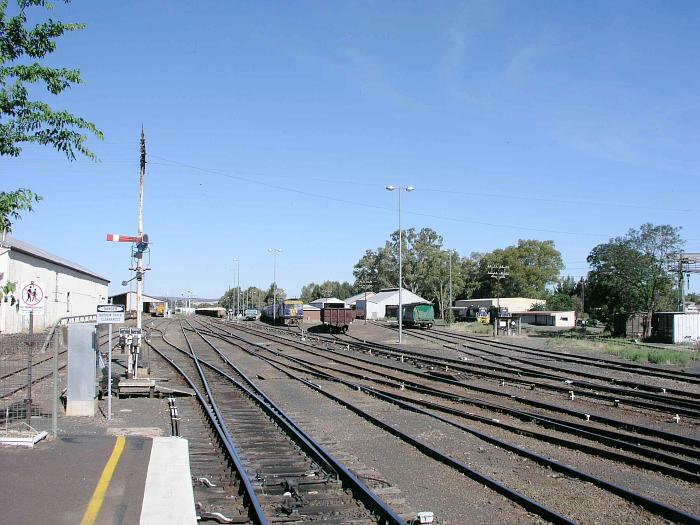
32 297
115 237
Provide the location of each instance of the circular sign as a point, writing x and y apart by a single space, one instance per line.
31 295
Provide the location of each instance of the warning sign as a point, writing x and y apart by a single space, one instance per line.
32 297
110 313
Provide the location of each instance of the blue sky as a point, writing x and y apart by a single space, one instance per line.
278 124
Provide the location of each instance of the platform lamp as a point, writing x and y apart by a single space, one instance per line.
399 314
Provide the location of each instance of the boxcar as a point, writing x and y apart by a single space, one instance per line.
337 316
418 314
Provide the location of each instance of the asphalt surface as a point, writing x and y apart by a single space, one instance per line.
54 481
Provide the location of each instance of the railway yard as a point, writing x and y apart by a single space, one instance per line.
292 426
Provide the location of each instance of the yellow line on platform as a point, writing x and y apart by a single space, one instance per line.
98 495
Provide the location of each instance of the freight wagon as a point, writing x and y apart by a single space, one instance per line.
418 314
211 312
337 316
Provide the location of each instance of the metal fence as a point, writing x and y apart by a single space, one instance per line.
33 374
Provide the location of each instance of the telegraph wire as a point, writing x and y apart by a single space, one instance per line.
229 175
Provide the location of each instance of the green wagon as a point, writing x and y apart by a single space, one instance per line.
418 314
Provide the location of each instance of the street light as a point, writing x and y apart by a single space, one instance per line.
237 282
274 252
399 314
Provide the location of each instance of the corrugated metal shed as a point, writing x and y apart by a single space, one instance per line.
28 249
352 300
385 303
676 327
318 303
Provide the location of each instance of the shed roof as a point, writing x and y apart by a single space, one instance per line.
324 300
407 296
144 298
356 297
33 251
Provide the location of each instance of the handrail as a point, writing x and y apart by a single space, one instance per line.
68 320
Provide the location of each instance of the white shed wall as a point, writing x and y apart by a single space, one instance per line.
68 292
514 304
686 327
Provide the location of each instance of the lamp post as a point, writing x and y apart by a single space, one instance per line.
450 303
236 276
399 314
274 252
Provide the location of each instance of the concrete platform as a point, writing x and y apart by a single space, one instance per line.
98 479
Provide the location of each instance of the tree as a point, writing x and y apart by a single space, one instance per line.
12 203
426 267
630 273
559 302
273 294
337 289
24 119
532 267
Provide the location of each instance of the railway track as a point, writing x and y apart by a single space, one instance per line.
286 475
612 391
598 362
688 470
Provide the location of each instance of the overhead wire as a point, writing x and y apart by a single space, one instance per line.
228 174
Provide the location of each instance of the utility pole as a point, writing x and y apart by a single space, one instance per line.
687 263
498 273
235 279
365 285
274 252
450 303
139 261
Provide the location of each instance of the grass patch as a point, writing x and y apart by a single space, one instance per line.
471 328
659 356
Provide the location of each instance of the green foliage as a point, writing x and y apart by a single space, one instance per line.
532 266
560 302
337 289
274 295
630 273
12 203
7 293
426 267
251 296
22 119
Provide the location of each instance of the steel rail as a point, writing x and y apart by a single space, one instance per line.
511 494
683 406
668 436
636 386
689 474
679 375
651 505
324 458
210 407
